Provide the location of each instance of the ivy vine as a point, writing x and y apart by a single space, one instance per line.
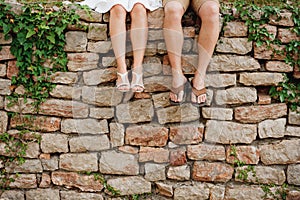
257 14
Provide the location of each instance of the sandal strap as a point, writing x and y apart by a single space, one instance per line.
199 92
179 88
125 81
138 78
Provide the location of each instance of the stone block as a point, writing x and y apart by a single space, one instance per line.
246 154
239 46
204 151
236 95
83 162
272 128
82 61
97 31
89 143
155 172
76 41
95 77
179 173
261 78
54 143
84 126
157 155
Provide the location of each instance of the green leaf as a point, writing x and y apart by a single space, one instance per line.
30 33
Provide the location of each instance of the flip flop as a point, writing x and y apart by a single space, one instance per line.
198 93
177 90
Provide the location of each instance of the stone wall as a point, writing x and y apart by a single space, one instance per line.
142 144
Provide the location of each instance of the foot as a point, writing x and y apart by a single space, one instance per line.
122 82
137 84
177 89
198 95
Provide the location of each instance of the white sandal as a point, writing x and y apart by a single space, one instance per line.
124 82
136 86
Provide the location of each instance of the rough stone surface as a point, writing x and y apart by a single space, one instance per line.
130 185
294 116
186 134
284 152
164 189
292 131
13 194
5 87
87 162
89 143
236 95
23 181
29 166
117 134
155 172
229 132
54 143
235 29
217 113
102 113
278 66
246 154
230 63
293 174
95 77
272 128
84 126
39 123
97 31
46 194
234 45
146 135
158 155
179 173
3 121
197 191
66 92
71 179
237 192
261 78
72 195
182 113
112 162
82 61
203 151
99 47
135 112
220 80
254 114
64 77
76 41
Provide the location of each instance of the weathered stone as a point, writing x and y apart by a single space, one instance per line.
135 112
262 175
117 133
206 152
230 63
220 80
155 34
29 166
156 18
293 195
84 126
293 174
230 132
23 181
217 113
5 53
164 189
97 31
3 121
72 179
151 48
20 106
38 123
4 40
102 113
217 192
95 77
146 135
64 77
155 172
104 96
216 172
64 108
269 52
184 134
179 173
158 155
2 70
187 192
285 152
183 113
76 41
130 185
161 100
66 92
13 195
89 143
278 66
254 114
272 128
45 194
294 117
45 181
129 149
87 162
52 143
238 192
261 78
90 16
157 83
73 195
235 29
234 45
285 19
99 47
109 62
152 66
33 150
112 162
236 95
246 154
263 99
50 164
5 87
1 103
287 35
292 131
82 61
178 157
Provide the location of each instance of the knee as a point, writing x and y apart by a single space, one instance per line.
209 11
174 11
138 11
118 11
